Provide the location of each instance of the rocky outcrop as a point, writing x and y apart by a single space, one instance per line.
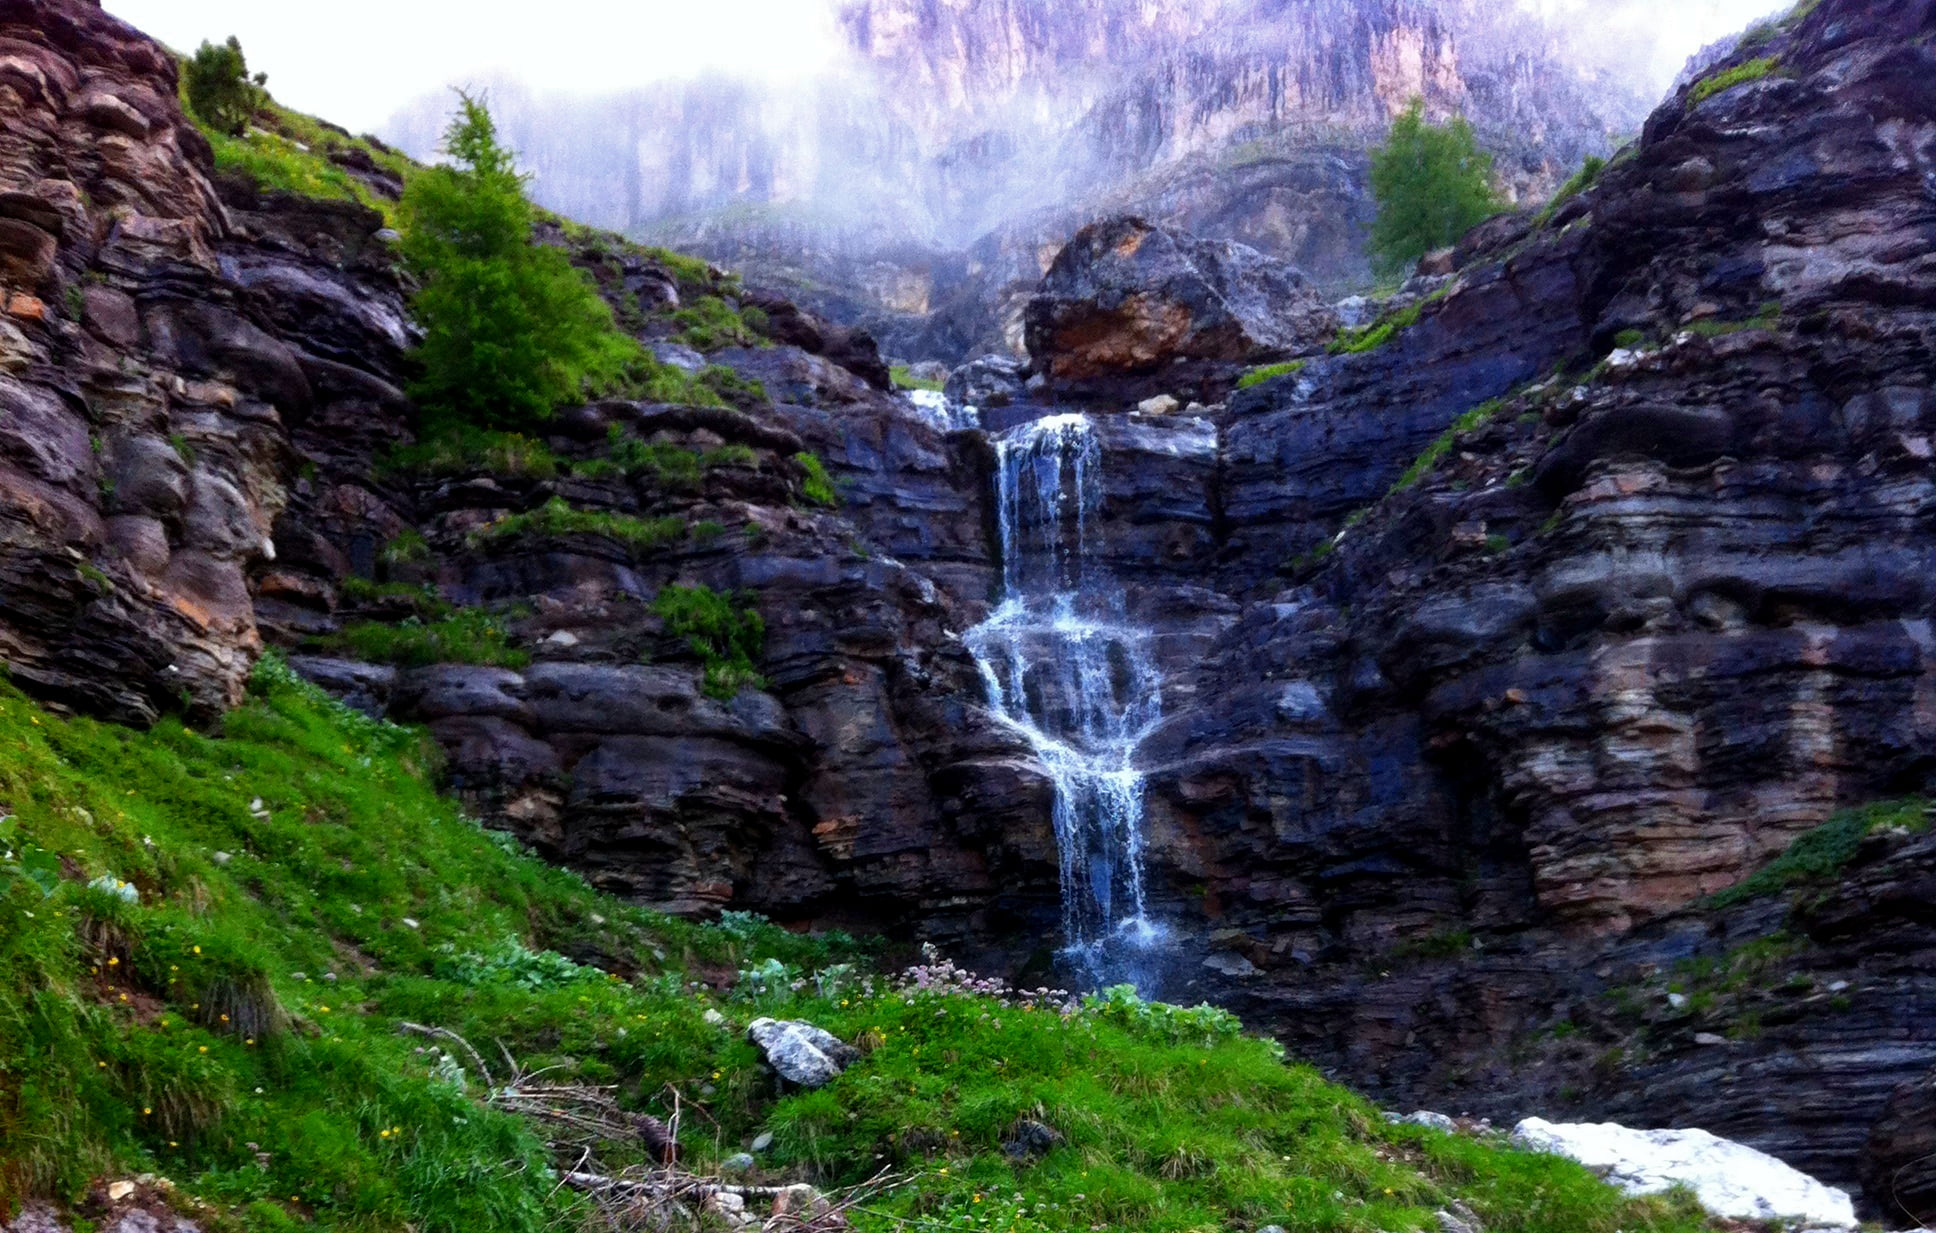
926 193
158 344
1900 1167
1127 299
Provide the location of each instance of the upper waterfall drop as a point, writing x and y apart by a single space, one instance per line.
1064 665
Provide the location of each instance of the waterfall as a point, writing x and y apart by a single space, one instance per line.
1065 667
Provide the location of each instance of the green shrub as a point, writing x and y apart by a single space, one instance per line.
469 636
727 638
1442 445
511 328
557 518
1269 372
1433 183
219 88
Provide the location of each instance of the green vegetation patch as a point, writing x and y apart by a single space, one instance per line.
1370 337
467 636
556 518
1269 372
1435 453
1819 855
174 903
464 449
711 324
1433 183
904 379
818 488
1577 183
1728 79
728 637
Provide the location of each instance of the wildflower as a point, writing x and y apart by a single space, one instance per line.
322 1010
145 1111
225 1018
977 1198
944 1171
196 949
102 1065
249 1041
202 1049
172 1143
113 962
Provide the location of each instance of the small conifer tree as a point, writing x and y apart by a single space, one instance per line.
1433 183
511 329
220 90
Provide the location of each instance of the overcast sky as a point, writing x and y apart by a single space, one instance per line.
355 62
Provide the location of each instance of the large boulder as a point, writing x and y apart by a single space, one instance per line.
988 381
1127 296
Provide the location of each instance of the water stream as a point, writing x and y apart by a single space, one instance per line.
1065 666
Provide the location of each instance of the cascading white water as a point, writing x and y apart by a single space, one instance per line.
1067 669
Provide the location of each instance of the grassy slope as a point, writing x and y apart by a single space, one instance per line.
306 1105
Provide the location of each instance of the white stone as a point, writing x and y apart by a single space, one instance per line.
1162 404
801 1052
1730 1179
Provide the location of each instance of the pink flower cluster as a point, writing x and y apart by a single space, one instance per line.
939 976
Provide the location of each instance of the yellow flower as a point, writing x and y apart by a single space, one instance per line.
944 1171
202 1049
225 1018
196 949
249 1041
146 1111
113 962
977 1198
322 1010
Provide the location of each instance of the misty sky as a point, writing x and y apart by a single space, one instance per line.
356 62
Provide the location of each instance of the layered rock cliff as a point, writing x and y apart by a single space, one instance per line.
1491 645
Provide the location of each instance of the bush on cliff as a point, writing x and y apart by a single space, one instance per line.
511 330
1433 183
220 90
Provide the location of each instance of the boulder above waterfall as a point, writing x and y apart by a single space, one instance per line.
1730 1179
1126 297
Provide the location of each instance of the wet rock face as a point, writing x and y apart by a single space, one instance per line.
1129 299
1900 1167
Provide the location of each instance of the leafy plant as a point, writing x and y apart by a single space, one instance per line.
1819 854
903 378
1433 183
461 449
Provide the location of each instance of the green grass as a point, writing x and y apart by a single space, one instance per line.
665 466
289 152
1727 79
1269 372
711 324
818 486
1435 453
1819 855
557 518
302 840
1576 184
463 449
1371 337
727 637
904 379
468 636
1766 318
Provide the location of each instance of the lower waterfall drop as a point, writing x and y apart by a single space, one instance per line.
1066 668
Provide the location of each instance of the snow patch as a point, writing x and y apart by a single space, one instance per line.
1730 1179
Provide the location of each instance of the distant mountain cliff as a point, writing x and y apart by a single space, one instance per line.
926 182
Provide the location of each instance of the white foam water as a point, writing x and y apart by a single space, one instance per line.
1066 668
